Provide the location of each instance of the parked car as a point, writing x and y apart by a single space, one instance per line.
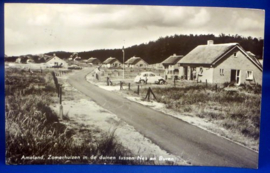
75 67
149 77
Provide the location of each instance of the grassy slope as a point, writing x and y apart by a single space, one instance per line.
33 129
236 111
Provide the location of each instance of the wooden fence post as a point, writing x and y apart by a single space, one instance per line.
148 94
60 94
58 86
138 90
55 82
206 82
60 103
128 86
108 81
121 85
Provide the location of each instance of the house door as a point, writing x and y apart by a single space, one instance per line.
185 72
192 73
235 76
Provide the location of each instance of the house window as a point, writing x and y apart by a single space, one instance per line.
221 72
235 54
249 75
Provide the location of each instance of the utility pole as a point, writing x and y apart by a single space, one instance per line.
123 50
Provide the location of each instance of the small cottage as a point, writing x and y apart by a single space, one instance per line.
111 62
93 61
18 60
25 60
220 63
55 61
171 66
30 60
135 62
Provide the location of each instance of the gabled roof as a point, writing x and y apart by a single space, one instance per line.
110 60
133 60
24 59
206 54
51 57
92 59
47 58
253 56
173 59
250 53
212 54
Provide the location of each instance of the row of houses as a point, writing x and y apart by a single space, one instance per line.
216 63
48 61
132 62
212 63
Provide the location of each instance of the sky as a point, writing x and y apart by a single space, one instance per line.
41 28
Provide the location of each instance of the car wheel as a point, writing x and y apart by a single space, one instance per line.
162 81
142 81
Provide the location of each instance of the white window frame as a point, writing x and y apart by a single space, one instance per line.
221 72
238 77
249 75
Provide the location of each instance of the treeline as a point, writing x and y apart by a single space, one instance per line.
157 51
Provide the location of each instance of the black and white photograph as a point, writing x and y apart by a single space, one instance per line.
132 84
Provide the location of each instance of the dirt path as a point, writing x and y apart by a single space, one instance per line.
175 136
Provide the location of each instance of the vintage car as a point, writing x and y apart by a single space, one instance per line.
149 77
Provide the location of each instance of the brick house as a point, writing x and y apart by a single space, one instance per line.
220 63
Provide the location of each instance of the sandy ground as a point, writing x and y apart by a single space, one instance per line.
82 112
26 66
189 118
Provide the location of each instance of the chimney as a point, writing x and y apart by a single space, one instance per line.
210 42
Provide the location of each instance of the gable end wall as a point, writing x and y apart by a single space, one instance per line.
241 62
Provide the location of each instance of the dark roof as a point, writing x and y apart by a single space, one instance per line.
211 54
92 59
110 60
25 58
254 58
133 60
250 53
172 59
206 54
47 58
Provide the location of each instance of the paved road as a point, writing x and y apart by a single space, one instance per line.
173 135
